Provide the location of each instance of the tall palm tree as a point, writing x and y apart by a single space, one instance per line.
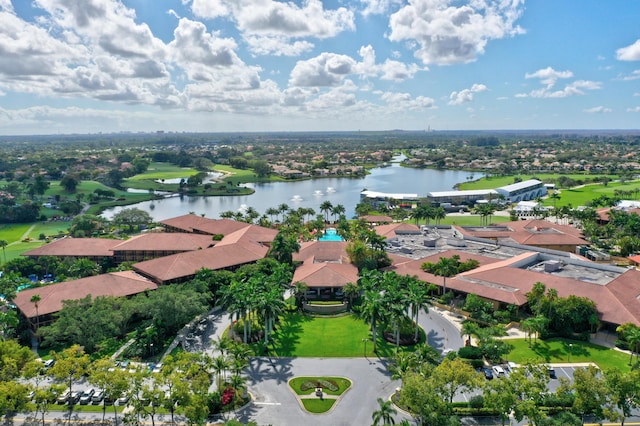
219 365
373 311
337 210
384 415
351 290
326 207
633 338
35 299
444 267
3 244
418 298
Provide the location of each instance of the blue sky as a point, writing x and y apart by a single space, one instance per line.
89 66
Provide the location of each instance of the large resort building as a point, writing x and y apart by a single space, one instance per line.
513 256
522 191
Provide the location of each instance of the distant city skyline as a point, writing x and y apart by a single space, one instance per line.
335 65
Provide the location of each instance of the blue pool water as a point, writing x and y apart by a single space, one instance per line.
330 235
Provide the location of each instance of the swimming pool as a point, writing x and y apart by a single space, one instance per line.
330 235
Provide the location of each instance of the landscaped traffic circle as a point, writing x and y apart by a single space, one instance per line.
319 395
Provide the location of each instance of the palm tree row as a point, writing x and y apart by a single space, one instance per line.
257 297
387 300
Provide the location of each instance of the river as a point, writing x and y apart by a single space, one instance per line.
307 193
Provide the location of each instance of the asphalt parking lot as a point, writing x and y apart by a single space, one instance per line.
561 370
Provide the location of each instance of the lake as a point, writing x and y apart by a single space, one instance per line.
307 193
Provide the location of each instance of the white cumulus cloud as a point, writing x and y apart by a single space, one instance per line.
450 32
598 110
466 95
629 53
549 78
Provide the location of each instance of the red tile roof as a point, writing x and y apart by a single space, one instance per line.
376 219
195 223
174 241
532 232
79 247
391 230
247 245
322 251
326 274
502 280
115 284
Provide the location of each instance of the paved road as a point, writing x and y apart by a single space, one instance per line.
274 403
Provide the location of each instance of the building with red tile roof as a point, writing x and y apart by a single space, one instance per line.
95 249
52 296
393 230
533 232
616 291
247 245
201 225
325 267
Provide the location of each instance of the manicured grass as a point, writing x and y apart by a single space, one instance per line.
164 171
13 231
301 335
15 250
471 220
580 196
317 405
49 229
493 182
557 350
297 382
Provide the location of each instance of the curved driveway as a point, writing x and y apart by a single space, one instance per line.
274 403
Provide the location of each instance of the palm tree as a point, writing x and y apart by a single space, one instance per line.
219 366
418 298
444 267
273 212
373 311
351 290
326 207
3 244
337 210
633 337
35 299
283 208
528 326
299 290
384 415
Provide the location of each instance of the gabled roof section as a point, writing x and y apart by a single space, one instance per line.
186 223
322 251
174 241
78 247
115 284
533 232
252 233
326 274
182 266
392 230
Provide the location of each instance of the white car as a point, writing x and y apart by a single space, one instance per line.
498 371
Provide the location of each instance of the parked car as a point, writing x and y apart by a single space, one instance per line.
74 397
49 363
488 373
63 398
122 400
86 396
97 397
552 372
498 371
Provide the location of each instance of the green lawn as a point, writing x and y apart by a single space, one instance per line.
165 171
297 382
471 220
493 182
580 196
304 336
559 351
317 405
